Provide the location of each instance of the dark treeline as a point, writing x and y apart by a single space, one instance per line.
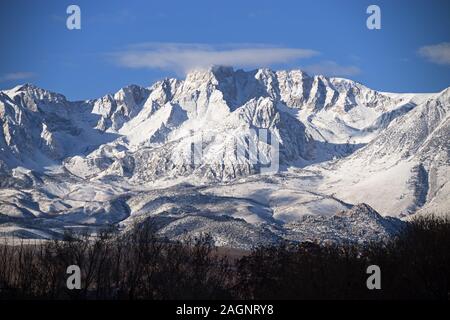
139 265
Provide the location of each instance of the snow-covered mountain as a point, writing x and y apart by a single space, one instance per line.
250 156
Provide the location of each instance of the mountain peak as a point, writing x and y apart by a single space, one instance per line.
36 93
213 72
221 69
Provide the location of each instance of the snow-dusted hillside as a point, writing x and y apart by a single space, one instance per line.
249 156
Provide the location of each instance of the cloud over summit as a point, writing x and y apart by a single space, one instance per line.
182 57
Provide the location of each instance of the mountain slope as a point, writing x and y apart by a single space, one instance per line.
405 167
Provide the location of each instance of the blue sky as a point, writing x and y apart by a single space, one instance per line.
124 42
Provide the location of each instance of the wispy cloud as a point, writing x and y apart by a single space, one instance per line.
331 68
438 53
16 76
182 57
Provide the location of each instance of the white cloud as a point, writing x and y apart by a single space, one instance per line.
331 68
184 57
16 76
438 53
